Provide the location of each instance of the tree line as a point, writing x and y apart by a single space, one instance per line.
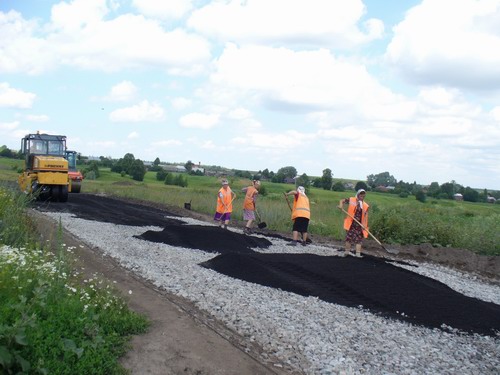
384 181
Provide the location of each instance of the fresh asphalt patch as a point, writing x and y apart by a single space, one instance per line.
369 283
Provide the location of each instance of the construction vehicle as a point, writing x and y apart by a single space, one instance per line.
75 175
45 173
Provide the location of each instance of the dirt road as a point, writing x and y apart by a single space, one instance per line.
181 339
185 340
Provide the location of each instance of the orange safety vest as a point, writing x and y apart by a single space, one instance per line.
301 207
364 215
249 203
225 197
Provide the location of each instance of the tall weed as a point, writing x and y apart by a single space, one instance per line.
52 320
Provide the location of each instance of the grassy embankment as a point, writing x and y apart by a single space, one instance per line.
52 320
474 226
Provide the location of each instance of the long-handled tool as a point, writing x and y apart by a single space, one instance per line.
288 202
225 210
261 224
392 251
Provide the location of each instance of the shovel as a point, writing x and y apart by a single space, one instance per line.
288 202
392 251
261 224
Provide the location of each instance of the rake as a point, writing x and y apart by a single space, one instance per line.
392 251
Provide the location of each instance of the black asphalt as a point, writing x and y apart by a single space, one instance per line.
369 283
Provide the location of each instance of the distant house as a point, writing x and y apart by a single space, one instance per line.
289 180
197 168
491 199
458 197
173 168
349 186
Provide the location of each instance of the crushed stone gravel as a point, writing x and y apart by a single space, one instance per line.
306 333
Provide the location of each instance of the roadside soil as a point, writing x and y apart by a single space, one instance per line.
184 340
181 339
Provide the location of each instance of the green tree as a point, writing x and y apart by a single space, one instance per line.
105 162
304 181
128 161
180 180
265 173
137 170
169 179
471 195
447 190
361 185
420 196
156 162
93 168
433 189
338 186
278 177
189 166
289 172
381 179
327 179
6 152
161 174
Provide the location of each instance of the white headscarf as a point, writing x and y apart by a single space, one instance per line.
301 190
357 195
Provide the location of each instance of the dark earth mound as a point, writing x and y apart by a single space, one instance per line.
207 238
368 282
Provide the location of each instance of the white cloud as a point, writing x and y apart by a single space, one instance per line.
122 92
495 112
199 120
77 14
10 131
306 80
37 118
167 142
270 142
80 34
8 126
449 42
142 112
181 103
239 114
133 135
21 50
315 22
165 10
15 98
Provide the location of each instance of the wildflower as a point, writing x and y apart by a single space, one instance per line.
129 292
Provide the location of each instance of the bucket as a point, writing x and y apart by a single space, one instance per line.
187 206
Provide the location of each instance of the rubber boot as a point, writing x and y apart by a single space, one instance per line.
358 251
347 249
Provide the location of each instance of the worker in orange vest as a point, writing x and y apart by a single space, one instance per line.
357 208
301 214
225 198
251 193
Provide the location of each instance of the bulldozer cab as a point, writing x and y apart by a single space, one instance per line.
42 144
70 156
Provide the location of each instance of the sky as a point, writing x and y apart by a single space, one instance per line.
360 87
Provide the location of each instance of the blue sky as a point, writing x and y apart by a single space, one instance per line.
360 87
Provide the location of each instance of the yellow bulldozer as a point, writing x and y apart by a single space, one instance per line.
45 174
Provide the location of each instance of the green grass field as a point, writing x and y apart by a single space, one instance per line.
474 226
